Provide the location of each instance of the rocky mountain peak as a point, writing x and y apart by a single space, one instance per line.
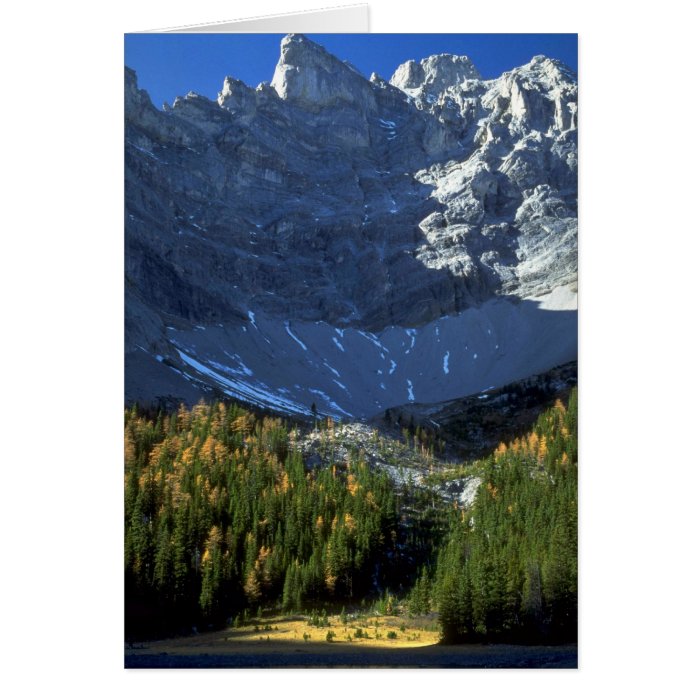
436 73
325 239
236 96
540 96
310 76
556 70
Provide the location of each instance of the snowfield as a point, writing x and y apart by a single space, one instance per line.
287 370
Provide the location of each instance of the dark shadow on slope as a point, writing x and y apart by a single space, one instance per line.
282 654
471 427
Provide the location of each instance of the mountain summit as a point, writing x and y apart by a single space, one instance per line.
347 243
307 74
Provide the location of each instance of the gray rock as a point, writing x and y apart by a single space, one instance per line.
331 201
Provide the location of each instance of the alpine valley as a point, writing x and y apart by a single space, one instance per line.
350 357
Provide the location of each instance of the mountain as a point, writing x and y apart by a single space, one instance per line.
330 242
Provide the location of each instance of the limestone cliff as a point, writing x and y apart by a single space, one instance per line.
268 229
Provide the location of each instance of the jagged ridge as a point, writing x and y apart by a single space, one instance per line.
325 198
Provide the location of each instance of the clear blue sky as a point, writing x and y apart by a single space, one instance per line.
169 65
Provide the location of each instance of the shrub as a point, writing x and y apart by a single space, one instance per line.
391 635
329 635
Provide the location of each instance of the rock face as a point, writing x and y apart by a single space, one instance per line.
324 203
434 74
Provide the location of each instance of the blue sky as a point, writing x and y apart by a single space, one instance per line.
169 65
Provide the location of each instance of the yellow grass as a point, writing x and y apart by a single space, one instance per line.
287 634
291 629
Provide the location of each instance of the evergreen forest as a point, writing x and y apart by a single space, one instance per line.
224 520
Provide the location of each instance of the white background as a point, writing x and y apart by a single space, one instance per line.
61 280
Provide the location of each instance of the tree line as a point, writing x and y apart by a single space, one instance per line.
222 517
508 569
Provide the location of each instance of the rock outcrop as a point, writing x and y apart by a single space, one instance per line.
336 202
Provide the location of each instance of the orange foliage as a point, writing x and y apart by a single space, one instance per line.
183 418
156 454
199 411
251 587
243 424
188 455
284 483
129 449
532 442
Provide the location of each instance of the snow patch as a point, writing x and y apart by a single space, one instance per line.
244 369
373 339
256 394
148 153
292 336
320 393
335 371
338 344
411 397
445 363
411 333
334 405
